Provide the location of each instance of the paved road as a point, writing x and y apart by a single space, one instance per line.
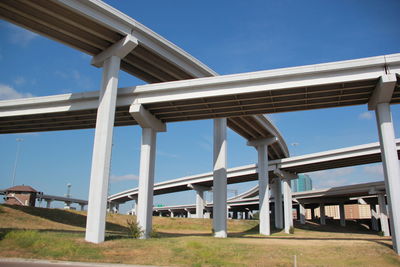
41 263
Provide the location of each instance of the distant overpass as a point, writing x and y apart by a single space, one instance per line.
337 158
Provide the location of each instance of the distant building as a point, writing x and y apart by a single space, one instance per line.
303 183
20 195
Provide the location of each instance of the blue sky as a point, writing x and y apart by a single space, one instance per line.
228 36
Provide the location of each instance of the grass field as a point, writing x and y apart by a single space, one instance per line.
59 234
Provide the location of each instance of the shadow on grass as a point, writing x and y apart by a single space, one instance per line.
65 217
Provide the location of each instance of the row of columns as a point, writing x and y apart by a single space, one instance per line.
375 216
110 60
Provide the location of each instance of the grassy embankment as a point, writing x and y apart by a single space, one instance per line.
58 234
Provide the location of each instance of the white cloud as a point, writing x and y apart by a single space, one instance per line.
367 115
7 92
374 169
21 36
19 80
332 178
126 177
335 173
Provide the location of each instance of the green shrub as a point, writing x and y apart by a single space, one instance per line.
381 233
134 229
291 230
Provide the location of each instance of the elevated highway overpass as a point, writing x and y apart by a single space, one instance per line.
183 89
337 158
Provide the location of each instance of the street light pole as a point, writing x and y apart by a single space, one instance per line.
19 140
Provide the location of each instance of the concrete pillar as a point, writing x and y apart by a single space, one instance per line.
207 215
391 169
234 215
374 218
110 60
171 214
302 213
383 215
48 203
102 152
278 203
263 184
200 204
322 214
312 213
342 215
146 180
82 207
287 205
220 183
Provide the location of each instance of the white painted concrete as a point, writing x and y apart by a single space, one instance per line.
391 169
101 160
278 203
146 181
302 214
383 216
263 183
200 204
287 204
220 178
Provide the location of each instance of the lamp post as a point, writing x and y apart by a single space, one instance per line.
19 140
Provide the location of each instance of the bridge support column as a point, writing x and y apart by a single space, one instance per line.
220 183
48 203
302 213
374 218
263 182
287 205
379 101
342 215
383 215
278 203
199 204
82 207
110 60
322 214
150 126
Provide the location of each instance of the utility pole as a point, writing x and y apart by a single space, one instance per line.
19 140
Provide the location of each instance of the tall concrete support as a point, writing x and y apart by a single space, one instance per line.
97 205
322 214
287 205
379 102
383 215
82 207
263 182
302 213
200 200
48 204
342 215
278 203
146 181
150 126
220 183
374 217
199 204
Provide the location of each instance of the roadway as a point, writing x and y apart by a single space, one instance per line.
338 158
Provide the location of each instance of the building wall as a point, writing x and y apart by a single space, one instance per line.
303 183
352 211
25 199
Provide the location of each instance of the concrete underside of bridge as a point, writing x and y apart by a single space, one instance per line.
185 89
